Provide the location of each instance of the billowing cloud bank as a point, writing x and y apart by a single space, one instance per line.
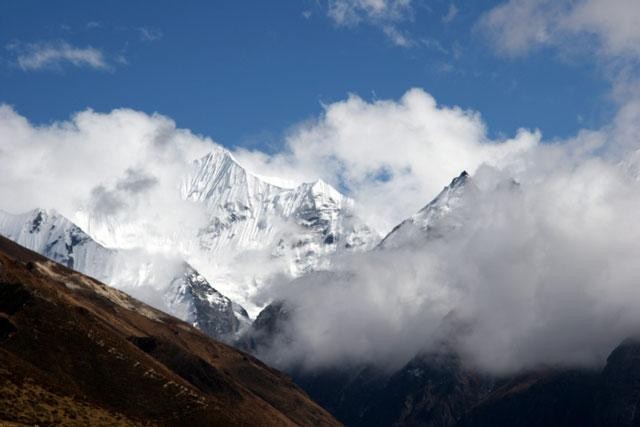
124 164
103 159
392 156
543 273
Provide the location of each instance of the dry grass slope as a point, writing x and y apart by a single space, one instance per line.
74 351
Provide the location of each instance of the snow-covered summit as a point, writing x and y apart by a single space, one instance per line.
50 234
430 220
247 212
296 229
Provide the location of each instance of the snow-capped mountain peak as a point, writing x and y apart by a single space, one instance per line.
52 235
450 196
430 220
220 182
244 209
217 179
299 226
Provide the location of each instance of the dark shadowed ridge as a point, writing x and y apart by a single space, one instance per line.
74 351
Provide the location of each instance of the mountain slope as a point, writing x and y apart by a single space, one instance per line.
76 352
167 283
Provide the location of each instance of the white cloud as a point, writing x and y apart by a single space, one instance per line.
396 36
392 156
36 56
517 26
350 12
92 158
614 22
542 273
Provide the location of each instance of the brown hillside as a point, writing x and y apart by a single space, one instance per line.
74 351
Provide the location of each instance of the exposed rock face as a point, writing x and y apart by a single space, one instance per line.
78 352
206 308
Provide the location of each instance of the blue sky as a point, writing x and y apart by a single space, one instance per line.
243 72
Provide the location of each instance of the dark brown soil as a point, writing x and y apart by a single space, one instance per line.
74 351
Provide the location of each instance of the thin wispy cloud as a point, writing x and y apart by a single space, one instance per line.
515 27
451 14
397 37
384 14
150 34
351 12
43 55
587 29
